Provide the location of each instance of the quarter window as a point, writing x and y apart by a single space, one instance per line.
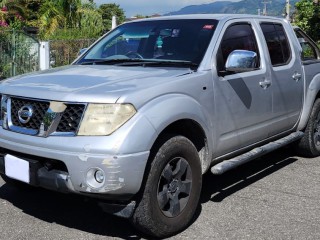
277 42
310 50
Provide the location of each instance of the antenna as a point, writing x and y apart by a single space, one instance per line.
264 2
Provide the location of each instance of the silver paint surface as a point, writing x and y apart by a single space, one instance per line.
234 111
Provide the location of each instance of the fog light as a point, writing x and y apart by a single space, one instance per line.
99 176
96 178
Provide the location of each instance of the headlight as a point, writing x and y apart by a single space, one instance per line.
104 119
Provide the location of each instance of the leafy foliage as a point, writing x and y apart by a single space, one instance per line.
66 18
59 19
307 17
109 10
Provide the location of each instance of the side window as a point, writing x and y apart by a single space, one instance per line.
309 48
277 42
239 36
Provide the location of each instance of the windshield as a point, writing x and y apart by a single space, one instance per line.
154 41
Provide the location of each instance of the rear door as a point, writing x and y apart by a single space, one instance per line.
286 75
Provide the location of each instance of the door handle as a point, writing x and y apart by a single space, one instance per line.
265 84
296 76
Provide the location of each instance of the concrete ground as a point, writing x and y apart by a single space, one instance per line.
275 197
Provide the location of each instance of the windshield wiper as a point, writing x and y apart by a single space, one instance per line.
142 62
175 63
112 61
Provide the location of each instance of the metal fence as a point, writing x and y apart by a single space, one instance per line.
63 52
19 53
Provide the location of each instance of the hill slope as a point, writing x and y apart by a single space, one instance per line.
275 8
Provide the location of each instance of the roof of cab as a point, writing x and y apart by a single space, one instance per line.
219 17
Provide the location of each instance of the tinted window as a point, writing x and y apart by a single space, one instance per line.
277 43
309 50
237 37
184 40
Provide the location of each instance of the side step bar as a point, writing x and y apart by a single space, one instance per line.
232 163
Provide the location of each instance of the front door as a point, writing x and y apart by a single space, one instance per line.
242 101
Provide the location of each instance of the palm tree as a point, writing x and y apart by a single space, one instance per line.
51 18
68 14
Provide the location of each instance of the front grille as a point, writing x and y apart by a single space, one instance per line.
39 109
71 118
69 122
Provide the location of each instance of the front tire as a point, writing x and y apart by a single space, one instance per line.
172 190
309 145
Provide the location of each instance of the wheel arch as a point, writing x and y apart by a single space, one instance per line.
188 128
194 132
312 93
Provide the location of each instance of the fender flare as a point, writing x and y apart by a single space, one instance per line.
167 109
309 99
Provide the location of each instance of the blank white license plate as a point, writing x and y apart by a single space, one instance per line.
17 168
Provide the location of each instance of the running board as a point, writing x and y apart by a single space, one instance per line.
232 163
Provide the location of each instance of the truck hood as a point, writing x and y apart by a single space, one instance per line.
93 83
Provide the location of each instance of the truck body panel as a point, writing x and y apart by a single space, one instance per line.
226 83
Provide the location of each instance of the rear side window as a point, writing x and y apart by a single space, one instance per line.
277 43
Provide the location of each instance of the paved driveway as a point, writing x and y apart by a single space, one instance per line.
275 197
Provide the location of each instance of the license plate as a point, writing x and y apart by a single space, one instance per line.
17 168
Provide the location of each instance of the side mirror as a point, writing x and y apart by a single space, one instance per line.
241 61
82 51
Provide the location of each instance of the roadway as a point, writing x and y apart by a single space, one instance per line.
274 197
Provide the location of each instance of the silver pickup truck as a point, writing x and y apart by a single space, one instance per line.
151 106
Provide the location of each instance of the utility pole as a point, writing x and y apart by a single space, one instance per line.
264 12
288 10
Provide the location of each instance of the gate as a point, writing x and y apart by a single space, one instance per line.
19 53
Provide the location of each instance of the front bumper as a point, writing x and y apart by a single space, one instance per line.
62 164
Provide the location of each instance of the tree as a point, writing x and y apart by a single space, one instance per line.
307 17
19 13
3 14
109 10
12 13
71 18
54 18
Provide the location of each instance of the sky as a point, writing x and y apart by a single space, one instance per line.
149 7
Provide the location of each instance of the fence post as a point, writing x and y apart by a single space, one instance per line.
13 57
114 22
44 56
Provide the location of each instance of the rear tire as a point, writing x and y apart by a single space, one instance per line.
309 145
172 190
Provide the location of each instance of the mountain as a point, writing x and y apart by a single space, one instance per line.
274 8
